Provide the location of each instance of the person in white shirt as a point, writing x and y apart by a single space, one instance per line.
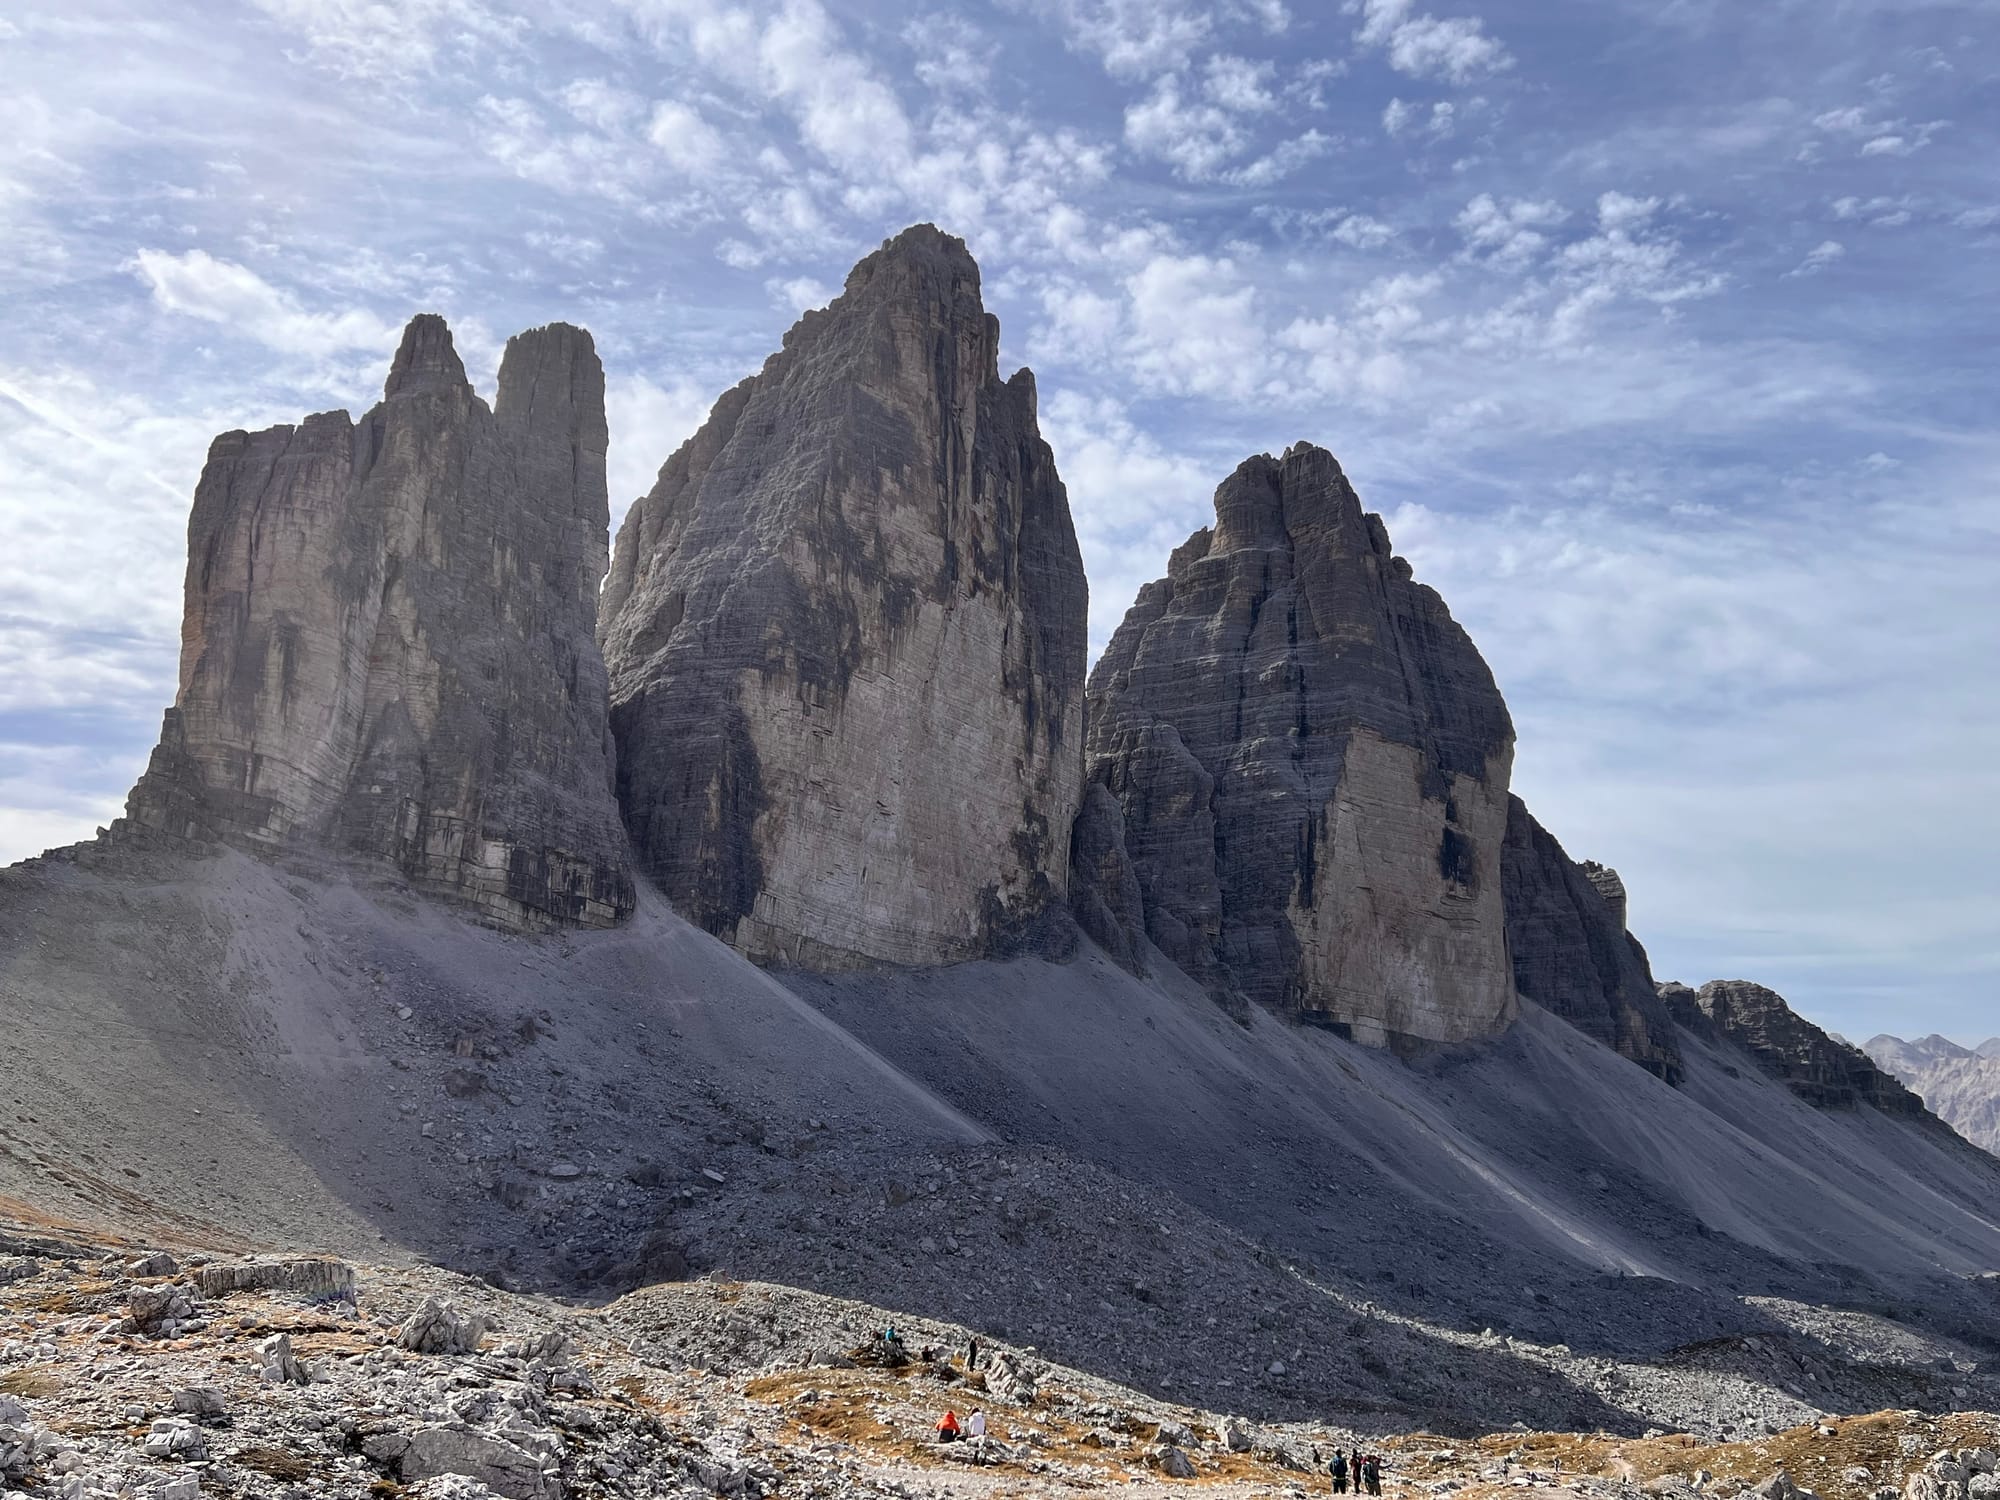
975 1425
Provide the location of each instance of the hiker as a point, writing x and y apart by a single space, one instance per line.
972 1354
1374 1468
948 1428
975 1425
1339 1469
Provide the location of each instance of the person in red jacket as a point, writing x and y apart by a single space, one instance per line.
948 1428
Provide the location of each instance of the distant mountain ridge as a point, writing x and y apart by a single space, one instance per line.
1960 1084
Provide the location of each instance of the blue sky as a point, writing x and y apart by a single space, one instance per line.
1664 336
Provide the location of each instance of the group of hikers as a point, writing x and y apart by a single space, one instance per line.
950 1431
1365 1470
1362 1470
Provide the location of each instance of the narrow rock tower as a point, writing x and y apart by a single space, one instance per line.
846 636
1312 762
389 640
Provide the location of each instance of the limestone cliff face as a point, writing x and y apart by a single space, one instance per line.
1311 759
1820 1069
1960 1084
388 647
1571 952
846 637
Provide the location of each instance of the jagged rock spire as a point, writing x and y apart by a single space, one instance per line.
388 647
846 639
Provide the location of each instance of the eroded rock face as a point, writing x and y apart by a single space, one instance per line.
1572 954
1312 763
389 640
846 640
1960 1084
1825 1072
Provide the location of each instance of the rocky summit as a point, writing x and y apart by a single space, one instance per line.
1822 1070
1312 760
846 636
388 647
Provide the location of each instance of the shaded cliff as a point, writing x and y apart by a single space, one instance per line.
389 643
1311 760
1571 952
1822 1070
846 637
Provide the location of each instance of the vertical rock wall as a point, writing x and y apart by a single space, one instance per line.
1571 952
846 636
1311 759
388 646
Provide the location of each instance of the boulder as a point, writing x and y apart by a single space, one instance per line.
174 1437
1312 762
1171 1462
439 1328
1236 1435
158 1311
278 1365
202 1402
846 636
1010 1379
504 1467
18 1268
389 648
309 1276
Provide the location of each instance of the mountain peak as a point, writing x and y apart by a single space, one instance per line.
426 360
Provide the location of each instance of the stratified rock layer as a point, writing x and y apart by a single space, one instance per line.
1312 762
1572 954
1823 1071
846 639
389 641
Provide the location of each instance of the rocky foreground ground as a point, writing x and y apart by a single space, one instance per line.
136 1373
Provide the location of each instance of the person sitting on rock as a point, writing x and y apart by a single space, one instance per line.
947 1430
975 1425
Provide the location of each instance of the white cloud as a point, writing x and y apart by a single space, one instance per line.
1822 255
799 294
1878 137
1282 160
1134 39
1425 46
951 53
1133 500
598 103
1237 83
1621 211
1196 138
1508 233
195 284
686 141
1402 119
385 43
1195 327
1878 212
1362 232
648 422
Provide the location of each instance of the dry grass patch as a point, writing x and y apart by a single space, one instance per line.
37 1383
279 1463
